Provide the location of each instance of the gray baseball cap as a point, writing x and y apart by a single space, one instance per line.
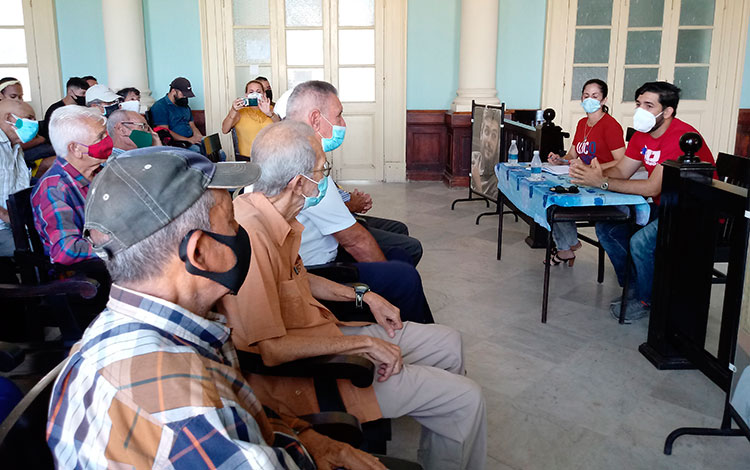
142 190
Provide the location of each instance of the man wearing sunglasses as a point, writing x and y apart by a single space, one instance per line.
129 130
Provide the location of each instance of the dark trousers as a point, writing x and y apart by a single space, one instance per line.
397 281
392 234
40 151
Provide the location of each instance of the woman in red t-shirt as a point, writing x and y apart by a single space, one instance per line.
597 135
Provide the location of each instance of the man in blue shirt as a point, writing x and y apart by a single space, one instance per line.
173 113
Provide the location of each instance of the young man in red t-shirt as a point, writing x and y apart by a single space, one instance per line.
656 140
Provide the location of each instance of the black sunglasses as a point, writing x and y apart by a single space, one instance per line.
564 190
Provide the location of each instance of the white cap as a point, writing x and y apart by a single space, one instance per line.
101 93
280 107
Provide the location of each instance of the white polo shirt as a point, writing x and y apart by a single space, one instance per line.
14 174
330 216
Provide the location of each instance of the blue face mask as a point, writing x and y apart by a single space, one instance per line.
336 139
322 188
591 105
25 128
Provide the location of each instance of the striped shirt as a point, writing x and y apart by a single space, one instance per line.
14 174
58 200
152 385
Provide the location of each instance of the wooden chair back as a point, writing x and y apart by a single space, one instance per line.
212 145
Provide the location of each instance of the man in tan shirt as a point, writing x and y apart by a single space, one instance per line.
420 368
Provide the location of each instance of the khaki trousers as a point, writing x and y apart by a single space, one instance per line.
432 389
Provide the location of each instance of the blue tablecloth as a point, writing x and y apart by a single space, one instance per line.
535 197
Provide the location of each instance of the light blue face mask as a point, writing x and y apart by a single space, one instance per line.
336 139
591 105
25 128
322 188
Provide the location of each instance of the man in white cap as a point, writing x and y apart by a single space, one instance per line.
102 98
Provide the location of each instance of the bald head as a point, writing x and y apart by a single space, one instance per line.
20 108
121 124
10 108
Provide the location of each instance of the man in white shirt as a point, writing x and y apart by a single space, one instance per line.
14 174
330 229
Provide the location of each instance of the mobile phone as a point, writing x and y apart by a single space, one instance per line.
250 102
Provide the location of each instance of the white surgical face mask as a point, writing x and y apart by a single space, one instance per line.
644 121
134 106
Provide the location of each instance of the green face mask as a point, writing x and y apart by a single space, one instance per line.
141 138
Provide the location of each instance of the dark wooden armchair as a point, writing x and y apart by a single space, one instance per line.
39 293
735 170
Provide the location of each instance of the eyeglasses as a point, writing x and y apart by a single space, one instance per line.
564 190
141 125
326 169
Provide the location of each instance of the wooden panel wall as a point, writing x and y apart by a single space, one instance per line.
742 144
426 145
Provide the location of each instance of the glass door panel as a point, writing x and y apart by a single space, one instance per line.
253 57
14 61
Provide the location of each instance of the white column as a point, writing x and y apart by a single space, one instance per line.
125 43
478 54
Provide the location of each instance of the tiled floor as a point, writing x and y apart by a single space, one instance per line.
571 394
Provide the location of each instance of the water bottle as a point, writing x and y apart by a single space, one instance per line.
513 153
536 167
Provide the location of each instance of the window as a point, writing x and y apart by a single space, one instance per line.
691 43
14 60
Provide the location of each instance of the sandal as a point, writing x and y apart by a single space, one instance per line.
555 259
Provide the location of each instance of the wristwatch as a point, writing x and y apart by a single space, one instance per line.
359 293
605 185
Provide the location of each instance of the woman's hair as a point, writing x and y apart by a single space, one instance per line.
255 81
602 87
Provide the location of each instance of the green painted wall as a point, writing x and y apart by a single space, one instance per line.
434 32
173 43
80 35
173 46
520 52
745 97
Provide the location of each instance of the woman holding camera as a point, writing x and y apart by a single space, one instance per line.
249 115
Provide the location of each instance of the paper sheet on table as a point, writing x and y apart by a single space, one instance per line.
556 169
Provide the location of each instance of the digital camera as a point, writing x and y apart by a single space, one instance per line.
252 99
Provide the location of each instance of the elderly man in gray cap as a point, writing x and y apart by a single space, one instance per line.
154 382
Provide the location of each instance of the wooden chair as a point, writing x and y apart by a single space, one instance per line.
735 170
43 294
236 145
212 145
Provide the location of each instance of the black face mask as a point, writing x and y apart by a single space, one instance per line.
240 246
80 100
108 110
181 102
269 94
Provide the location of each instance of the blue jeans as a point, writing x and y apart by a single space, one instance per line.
565 235
615 236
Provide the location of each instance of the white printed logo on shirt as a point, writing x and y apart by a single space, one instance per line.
650 157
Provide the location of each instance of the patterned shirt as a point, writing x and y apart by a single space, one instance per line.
58 200
14 174
152 385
